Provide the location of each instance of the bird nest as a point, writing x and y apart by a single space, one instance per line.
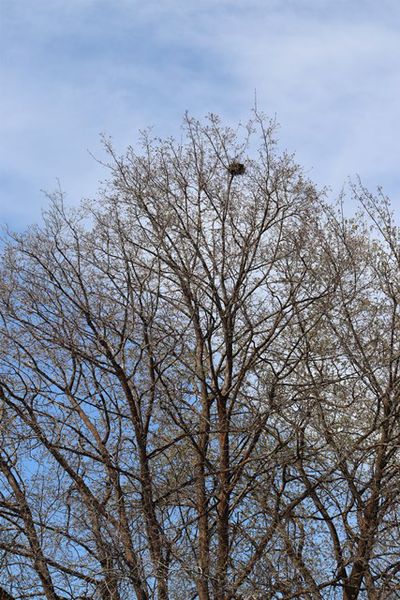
236 168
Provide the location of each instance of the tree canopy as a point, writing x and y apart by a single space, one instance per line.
199 383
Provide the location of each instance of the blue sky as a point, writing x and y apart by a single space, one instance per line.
71 69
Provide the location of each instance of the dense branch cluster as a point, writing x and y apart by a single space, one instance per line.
199 385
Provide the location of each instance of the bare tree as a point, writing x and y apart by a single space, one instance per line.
199 384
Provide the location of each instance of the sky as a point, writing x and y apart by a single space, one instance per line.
329 70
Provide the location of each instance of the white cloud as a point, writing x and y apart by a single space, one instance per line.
73 69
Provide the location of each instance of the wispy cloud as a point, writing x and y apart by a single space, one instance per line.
69 70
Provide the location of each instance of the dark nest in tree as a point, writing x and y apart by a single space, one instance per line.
236 168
